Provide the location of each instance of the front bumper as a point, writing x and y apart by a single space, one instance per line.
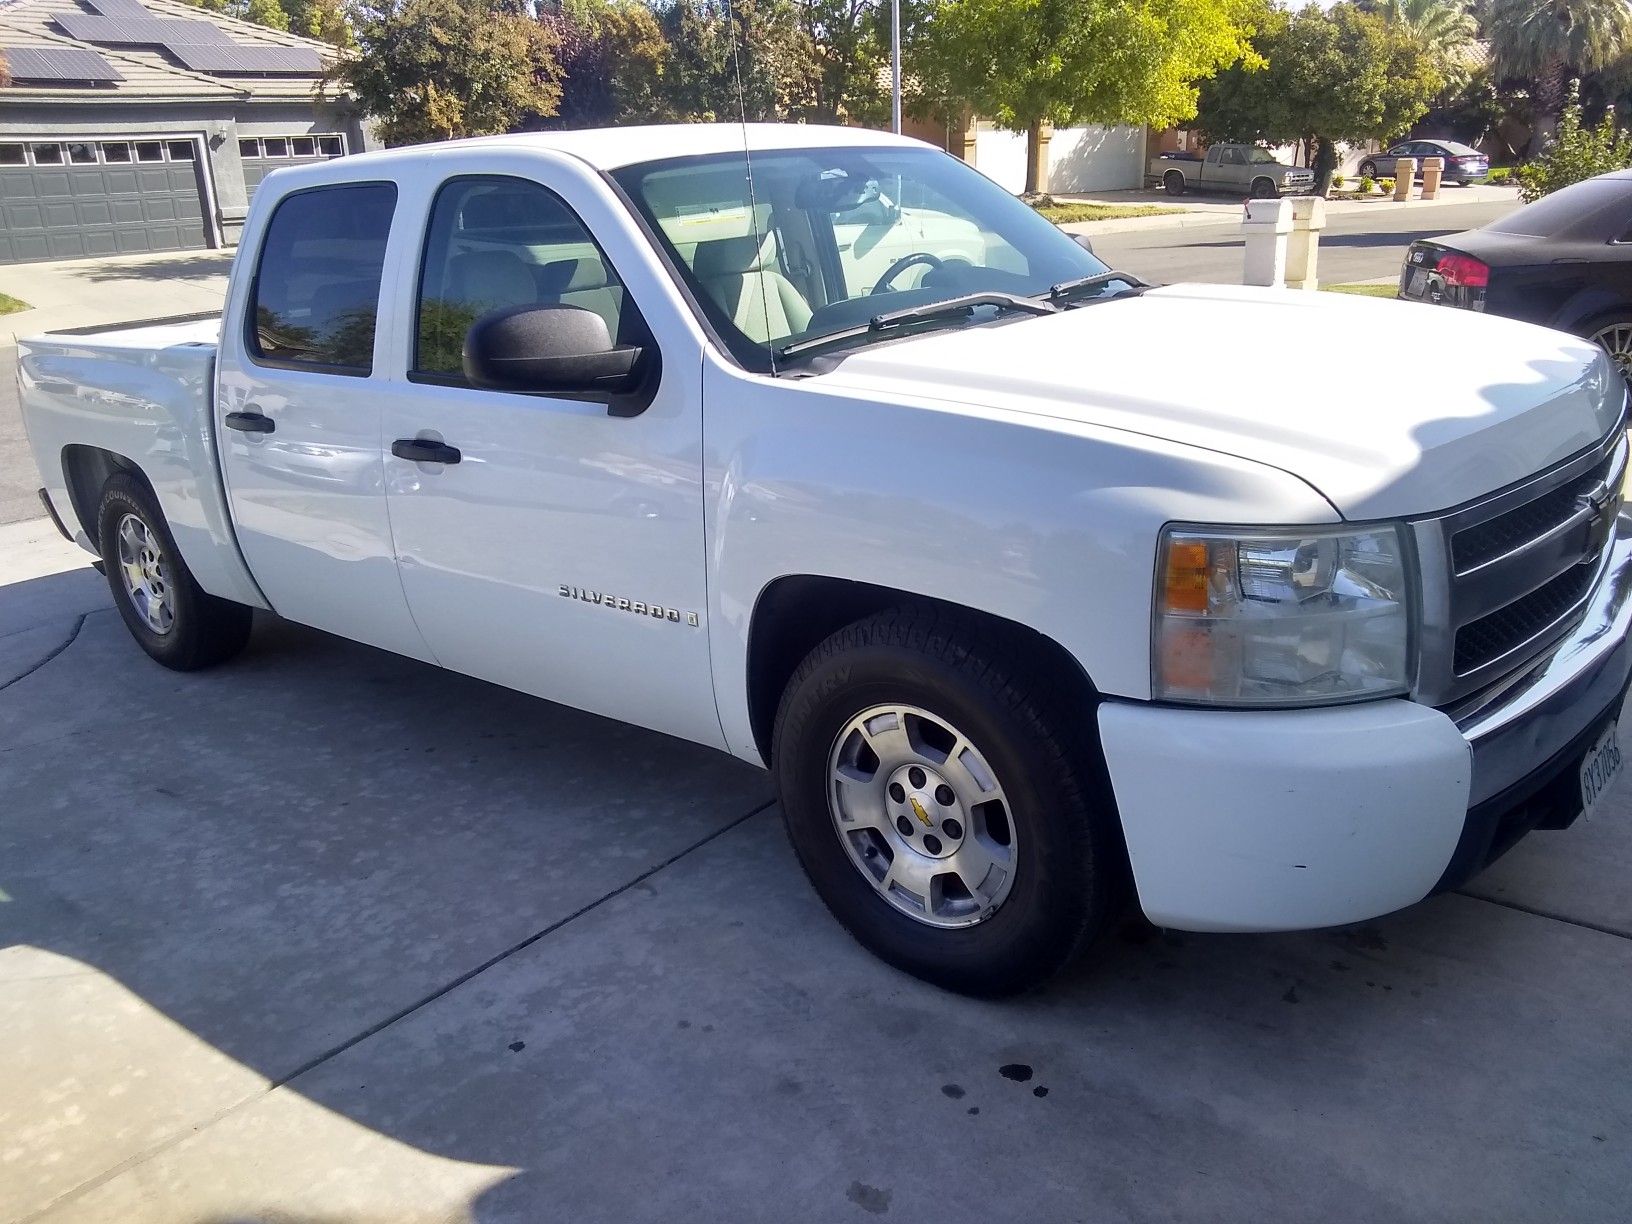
1240 820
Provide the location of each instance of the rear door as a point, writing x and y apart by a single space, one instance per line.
298 413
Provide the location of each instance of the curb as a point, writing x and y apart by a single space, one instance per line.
1192 218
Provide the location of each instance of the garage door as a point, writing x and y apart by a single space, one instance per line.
263 154
76 199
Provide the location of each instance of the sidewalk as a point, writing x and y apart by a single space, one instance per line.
1202 210
112 289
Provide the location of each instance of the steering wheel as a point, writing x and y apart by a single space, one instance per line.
901 265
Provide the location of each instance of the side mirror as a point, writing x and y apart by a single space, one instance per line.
548 348
1085 242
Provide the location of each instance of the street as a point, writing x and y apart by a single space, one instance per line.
1356 246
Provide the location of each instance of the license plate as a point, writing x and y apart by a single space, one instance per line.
1599 769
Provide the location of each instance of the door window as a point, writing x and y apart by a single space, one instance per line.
494 243
317 286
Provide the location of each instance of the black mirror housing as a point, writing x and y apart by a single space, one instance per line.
564 349
1085 242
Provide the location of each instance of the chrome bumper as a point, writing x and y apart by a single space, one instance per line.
1527 734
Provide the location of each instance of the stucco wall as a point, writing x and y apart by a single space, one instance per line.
1079 159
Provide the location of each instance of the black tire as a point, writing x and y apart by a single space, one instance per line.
1368 169
203 630
1264 189
1070 871
1173 183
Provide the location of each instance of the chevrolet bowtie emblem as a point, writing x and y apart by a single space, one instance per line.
919 811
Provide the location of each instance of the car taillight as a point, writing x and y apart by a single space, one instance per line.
1463 271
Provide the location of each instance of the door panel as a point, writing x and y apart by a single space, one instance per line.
308 494
562 555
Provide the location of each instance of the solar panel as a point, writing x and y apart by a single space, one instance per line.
58 64
139 31
118 8
234 60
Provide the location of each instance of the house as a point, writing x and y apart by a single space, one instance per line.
144 125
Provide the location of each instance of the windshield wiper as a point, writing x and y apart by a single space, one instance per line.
961 306
1071 288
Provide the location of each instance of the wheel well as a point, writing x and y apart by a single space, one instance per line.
86 469
1167 174
797 613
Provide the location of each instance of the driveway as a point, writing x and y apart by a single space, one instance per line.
330 937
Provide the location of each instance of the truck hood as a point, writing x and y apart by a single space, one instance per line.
1388 409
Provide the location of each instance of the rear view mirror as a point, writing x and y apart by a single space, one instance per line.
557 348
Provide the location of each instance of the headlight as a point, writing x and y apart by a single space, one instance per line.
1280 618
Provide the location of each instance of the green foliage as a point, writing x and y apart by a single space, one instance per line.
1547 42
11 305
613 59
715 43
1338 180
1067 214
1387 185
1500 176
1020 62
268 13
1576 152
1338 74
1447 27
1367 184
437 69
324 20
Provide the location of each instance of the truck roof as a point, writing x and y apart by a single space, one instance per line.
611 148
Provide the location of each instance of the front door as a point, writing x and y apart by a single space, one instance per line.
544 543
298 417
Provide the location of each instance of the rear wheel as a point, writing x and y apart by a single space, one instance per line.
167 612
1613 333
1368 169
939 796
1173 183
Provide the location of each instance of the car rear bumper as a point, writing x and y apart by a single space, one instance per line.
1290 819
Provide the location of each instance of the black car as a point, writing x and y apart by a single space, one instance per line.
1463 164
1564 261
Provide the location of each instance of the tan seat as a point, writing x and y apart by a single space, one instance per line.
586 284
761 301
492 280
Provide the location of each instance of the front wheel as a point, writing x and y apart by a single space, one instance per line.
167 612
1264 189
941 799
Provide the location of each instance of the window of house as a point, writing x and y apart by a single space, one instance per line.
317 283
48 155
82 154
496 242
249 148
182 150
116 151
331 146
303 146
275 146
12 155
149 151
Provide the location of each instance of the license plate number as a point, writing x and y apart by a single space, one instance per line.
1599 769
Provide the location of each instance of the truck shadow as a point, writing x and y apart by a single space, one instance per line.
295 857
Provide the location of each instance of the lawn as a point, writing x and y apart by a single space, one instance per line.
1381 291
11 305
1062 214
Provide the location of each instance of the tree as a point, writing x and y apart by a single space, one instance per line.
324 20
1024 63
437 69
613 59
1550 41
1445 27
268 13
737 59
1336 75
850 40
1576 152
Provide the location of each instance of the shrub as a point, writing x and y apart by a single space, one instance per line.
1366 184
1387 185
1338 180
1575 153
1500 175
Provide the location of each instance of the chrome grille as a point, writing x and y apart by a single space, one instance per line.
1514 572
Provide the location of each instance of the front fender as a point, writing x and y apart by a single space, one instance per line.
1047 523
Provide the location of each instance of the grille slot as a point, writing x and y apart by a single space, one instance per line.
1490 637
1474 546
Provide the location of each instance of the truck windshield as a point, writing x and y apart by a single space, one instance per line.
830 238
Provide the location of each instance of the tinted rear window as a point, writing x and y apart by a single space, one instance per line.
1566 210
318 284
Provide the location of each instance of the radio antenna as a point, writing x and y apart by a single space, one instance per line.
748 164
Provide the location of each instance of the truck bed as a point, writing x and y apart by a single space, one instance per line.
139 396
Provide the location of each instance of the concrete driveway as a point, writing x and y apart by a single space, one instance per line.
329 937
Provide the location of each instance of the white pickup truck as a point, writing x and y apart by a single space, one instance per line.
814 446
